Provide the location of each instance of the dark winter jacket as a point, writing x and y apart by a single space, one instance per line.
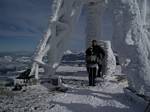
99 51
96 53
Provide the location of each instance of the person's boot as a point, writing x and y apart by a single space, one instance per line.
93 81
90 82
99 74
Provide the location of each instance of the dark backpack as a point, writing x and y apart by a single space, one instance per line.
91 57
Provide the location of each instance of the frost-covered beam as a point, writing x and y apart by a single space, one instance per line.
70 12
64 17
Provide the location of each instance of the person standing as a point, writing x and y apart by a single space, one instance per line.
100 53
91 64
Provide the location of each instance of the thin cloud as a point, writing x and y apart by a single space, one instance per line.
23 17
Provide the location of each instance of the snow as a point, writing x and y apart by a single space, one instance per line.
106 96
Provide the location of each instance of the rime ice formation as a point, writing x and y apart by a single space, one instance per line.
110 60
65 15
130 38
132 43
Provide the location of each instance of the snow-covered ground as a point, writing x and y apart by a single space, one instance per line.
106 96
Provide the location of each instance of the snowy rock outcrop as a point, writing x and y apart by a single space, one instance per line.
132 43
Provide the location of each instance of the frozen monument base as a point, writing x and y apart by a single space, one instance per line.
130 37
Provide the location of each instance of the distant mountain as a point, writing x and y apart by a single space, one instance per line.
73 57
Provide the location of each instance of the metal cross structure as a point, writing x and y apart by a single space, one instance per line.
129 37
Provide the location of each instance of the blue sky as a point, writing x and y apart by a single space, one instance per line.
23 23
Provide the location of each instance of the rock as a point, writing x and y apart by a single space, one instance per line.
25 75
55 81
17 87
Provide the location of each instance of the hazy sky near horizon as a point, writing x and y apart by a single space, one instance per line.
23 23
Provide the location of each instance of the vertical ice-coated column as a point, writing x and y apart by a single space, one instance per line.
94 11
132 44
53 44
40 53
67 18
